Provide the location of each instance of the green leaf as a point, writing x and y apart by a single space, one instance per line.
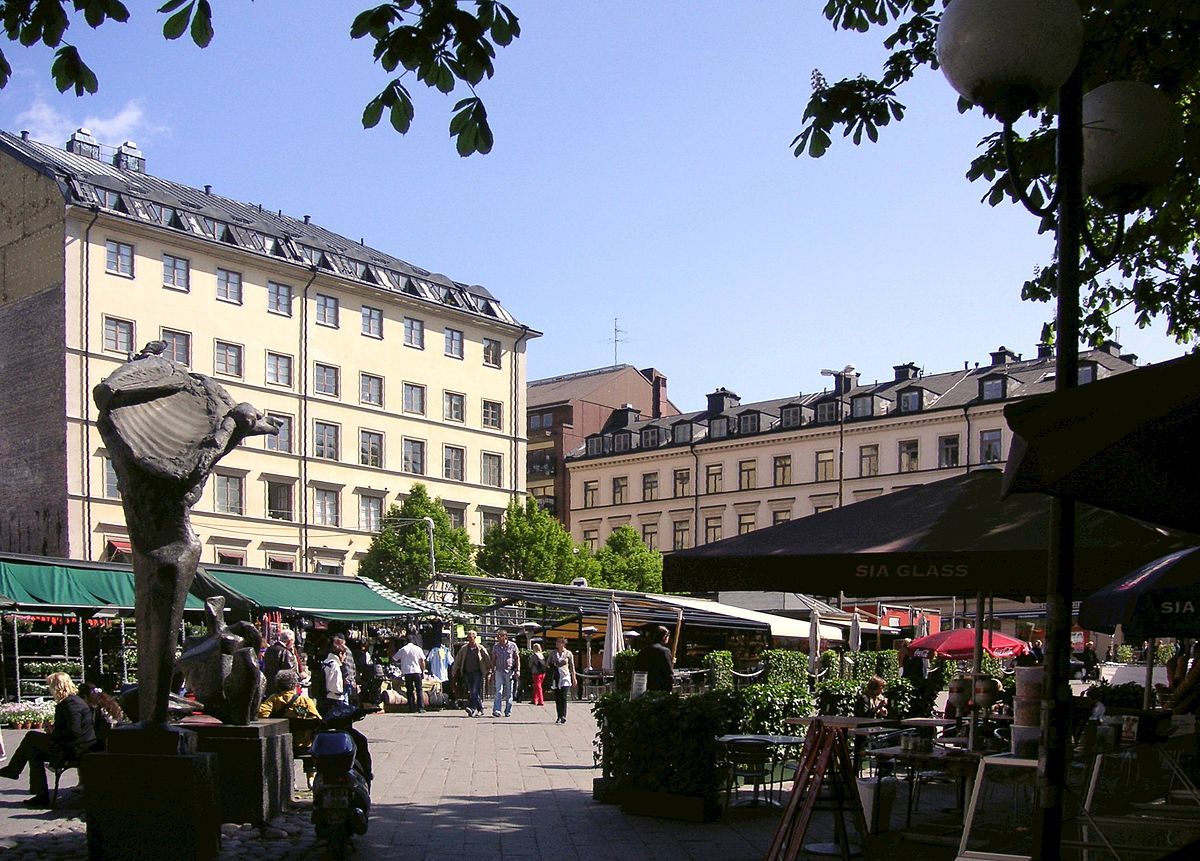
373 113
178 23
402 113
172 5
5 70
202 30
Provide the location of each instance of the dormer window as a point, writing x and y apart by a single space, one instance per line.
861 408
748 423
991 389
717 428
650 438
621 442
1087 373
827 412
683 433
910 401
595 445
790 417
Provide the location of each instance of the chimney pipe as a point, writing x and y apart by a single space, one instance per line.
208 189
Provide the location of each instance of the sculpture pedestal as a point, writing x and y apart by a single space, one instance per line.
254 768
137 803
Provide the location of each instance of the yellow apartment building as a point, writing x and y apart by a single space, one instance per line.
381 373
731 468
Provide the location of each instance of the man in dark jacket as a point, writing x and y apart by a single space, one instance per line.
73 735
280 655
655 660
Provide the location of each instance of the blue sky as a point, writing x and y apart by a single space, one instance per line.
642 171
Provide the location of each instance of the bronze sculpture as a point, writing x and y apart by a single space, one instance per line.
165 429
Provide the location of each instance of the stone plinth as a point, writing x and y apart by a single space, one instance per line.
254 768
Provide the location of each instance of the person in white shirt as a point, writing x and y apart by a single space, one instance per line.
412 666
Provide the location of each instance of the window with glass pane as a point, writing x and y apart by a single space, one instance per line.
111 490
231 558
827 412
783 470
458 518
488 520
681 534
118 258
229 286
326 380
717 428
824 466
547 420
414 399
683 433
861 407
281 563
227 359
746 523
279 369
649 487
229 493
370 513
454 461
910 401
281 441
118 335
454 343
370 448
279 500
179 346
590 491
748 423
712 529
650 535
279 298
453 406
621 442
595 445
414 456
868 460
790 417
493 414
491 352
778 517
650 438
1087 373
909 453
325 440
327 310
331 569
989 446
493 469
713 474
591 539
747 475
414 333
992 390
619 486
372 322
175 272
327 507
683 483
370 389
535 422
948 451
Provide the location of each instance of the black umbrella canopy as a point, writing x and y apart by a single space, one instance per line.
1124 443
951 537
1160 599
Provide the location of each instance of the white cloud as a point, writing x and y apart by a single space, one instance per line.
48 124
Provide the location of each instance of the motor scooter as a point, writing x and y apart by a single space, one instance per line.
342 787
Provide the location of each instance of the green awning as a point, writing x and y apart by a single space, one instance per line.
325 596
68 585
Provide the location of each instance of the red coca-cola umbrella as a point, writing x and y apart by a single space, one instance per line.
959 645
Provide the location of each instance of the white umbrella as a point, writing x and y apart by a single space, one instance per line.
613 638
855 633
814 640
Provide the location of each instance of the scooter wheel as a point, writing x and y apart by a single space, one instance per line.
339 843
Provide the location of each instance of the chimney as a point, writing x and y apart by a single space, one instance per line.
721 400
623 417
82 143
1131 358
658 395
905 372
208 189
129 157
1111 347
1045 350
1003 356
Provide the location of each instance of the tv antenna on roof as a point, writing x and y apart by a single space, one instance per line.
617 339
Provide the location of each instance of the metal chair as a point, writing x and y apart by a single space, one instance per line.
748 762
60 768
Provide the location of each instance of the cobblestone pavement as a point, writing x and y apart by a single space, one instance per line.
447 787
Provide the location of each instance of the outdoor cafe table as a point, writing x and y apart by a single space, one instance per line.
836 720
959 764
777 743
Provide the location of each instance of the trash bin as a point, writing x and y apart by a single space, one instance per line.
881 794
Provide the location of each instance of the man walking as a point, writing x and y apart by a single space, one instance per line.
655 660
471 662
506 663
412 666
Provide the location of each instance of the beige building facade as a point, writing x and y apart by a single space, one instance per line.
732 468
380 373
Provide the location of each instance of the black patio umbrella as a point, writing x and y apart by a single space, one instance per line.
951 537
1159 599
1124 443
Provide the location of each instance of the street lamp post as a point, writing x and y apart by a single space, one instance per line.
428 521
1009 58
840 387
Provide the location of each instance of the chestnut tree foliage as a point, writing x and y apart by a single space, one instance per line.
443 44
1157 42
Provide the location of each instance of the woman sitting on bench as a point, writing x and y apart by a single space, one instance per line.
73 734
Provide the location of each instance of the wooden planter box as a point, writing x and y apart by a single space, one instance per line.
604 790
663 805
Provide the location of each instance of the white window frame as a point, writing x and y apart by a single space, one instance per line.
496 460
372 322
411 447
327 507
447 463
221 352
290 511
370 512
118 324
492 346
169 336
498 424
271 441
321 372
363 377
454 343
227 278
319 433
790 417
223 501
329 311
414 388
364 455
448 400
174 266
118 258
272 358
414 333
279 298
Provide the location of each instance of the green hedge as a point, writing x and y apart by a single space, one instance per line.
785 667
1124 654
837 696
623 671
720 669
862 665
764 708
